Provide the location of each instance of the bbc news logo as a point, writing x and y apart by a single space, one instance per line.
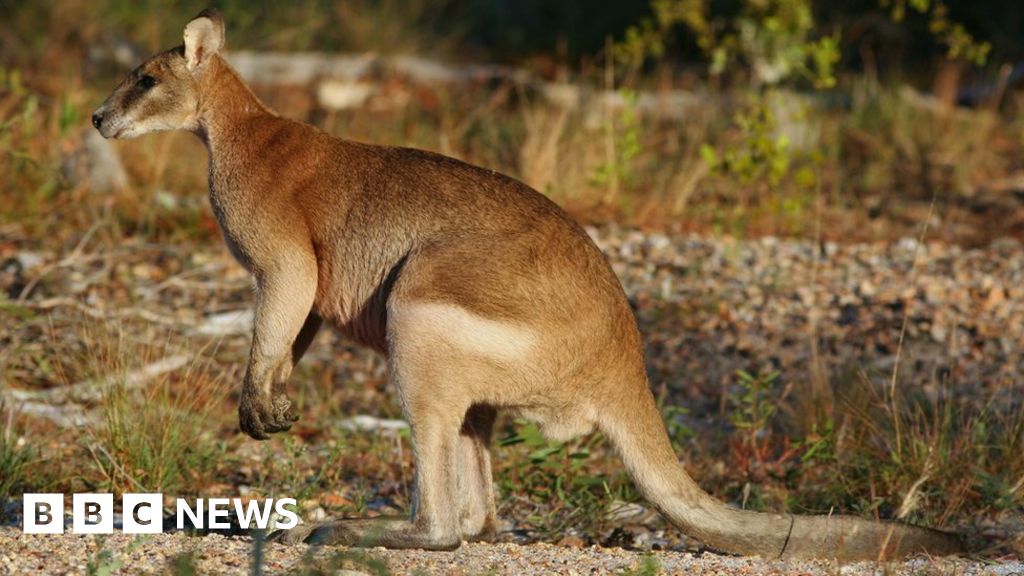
143 513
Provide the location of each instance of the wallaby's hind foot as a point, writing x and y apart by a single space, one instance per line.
367 533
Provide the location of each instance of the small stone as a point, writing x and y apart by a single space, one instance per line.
996 296
571 541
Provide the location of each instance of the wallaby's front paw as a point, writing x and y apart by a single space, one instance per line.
284 411
259 416
283 408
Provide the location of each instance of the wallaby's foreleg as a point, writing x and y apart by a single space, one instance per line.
280 384
284 298
477 513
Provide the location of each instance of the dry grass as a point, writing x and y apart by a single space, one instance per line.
159 434
14 454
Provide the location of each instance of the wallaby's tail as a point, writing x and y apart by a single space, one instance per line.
638 434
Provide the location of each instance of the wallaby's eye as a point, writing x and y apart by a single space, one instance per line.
147 82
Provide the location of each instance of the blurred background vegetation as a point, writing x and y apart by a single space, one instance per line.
740 116
900 34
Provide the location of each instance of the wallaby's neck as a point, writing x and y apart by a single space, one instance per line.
225 105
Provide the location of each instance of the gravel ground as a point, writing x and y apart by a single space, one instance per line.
215 554
708 307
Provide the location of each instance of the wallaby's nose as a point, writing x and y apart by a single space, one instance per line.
97 119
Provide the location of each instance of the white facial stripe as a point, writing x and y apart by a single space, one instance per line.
465 330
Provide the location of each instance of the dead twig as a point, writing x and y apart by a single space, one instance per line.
103 314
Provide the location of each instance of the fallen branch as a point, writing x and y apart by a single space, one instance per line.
91 391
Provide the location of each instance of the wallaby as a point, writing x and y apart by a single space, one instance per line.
482 294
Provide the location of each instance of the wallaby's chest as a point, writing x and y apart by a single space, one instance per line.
233 236
242 220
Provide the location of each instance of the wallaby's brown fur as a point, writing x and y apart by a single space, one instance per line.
482 293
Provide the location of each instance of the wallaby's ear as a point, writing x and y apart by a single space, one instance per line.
204 37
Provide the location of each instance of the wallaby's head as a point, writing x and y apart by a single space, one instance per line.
163 93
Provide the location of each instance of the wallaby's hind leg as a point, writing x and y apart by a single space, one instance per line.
435 516
435 420
477 514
